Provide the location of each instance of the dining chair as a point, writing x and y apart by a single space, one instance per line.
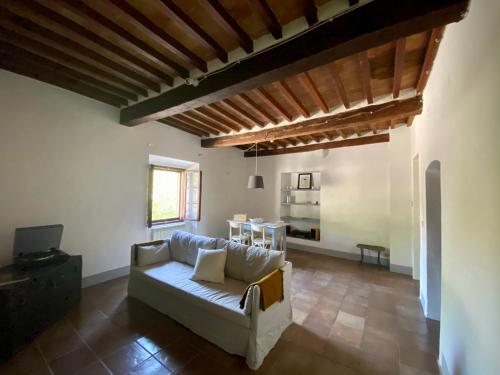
241 236
259 238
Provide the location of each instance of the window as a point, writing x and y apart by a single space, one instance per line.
174 195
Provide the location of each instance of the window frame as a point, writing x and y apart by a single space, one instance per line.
150 222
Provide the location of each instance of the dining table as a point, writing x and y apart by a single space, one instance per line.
277 230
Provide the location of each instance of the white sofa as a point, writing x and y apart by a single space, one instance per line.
212 310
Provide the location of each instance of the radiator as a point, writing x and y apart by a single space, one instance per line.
162 233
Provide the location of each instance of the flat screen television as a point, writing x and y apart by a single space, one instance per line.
37 239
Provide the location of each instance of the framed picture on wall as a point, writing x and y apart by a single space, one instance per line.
305 181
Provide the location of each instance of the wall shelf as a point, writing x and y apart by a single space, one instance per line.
297 206
288 219
305 190
300 204
301 238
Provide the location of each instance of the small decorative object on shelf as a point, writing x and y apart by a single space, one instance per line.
305 181
299 204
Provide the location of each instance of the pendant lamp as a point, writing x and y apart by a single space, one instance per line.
255 181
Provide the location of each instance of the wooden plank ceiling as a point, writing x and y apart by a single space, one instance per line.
122 52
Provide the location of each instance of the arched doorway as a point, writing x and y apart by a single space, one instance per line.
416 218
433 253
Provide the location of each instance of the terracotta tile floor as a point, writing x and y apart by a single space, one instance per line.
348 319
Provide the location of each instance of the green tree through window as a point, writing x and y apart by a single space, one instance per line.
166 195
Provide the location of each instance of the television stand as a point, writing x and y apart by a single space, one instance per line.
32 298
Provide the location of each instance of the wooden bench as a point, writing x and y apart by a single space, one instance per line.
378 249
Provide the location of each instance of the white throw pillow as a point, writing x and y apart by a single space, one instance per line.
210 265
151 254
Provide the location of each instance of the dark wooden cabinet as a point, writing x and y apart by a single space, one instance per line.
33 298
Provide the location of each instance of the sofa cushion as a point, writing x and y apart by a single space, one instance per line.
184 246
151 254
221 299
210 265
236 260
260 262
249 263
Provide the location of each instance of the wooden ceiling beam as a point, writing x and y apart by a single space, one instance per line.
399 62
181 126
249 101
310 11
229 116
64 31
179 118
324 146
205 120
214 116
194 29
240 111
325 135
318 137
364 68
377 22
289 95
45 74
430 54
304 139
93 9
272 23
281 142
313 92
207 117
74 28
313 137
13 50
334 135
271 102
357 117
195 124
230 26
265 146
409 121
58 57
338 85
47 22
299 140
169 42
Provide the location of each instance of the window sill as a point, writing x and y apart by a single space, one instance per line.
168 225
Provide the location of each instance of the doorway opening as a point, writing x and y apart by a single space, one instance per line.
416 218
433 237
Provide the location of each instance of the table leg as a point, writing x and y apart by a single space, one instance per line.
362 254
378 259
273 244
283 234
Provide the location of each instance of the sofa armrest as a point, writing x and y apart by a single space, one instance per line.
133 249
263 320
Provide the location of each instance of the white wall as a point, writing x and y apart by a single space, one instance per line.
354 193
460 128
400 198
65 159
361 187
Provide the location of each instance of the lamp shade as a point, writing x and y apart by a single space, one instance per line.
255 182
